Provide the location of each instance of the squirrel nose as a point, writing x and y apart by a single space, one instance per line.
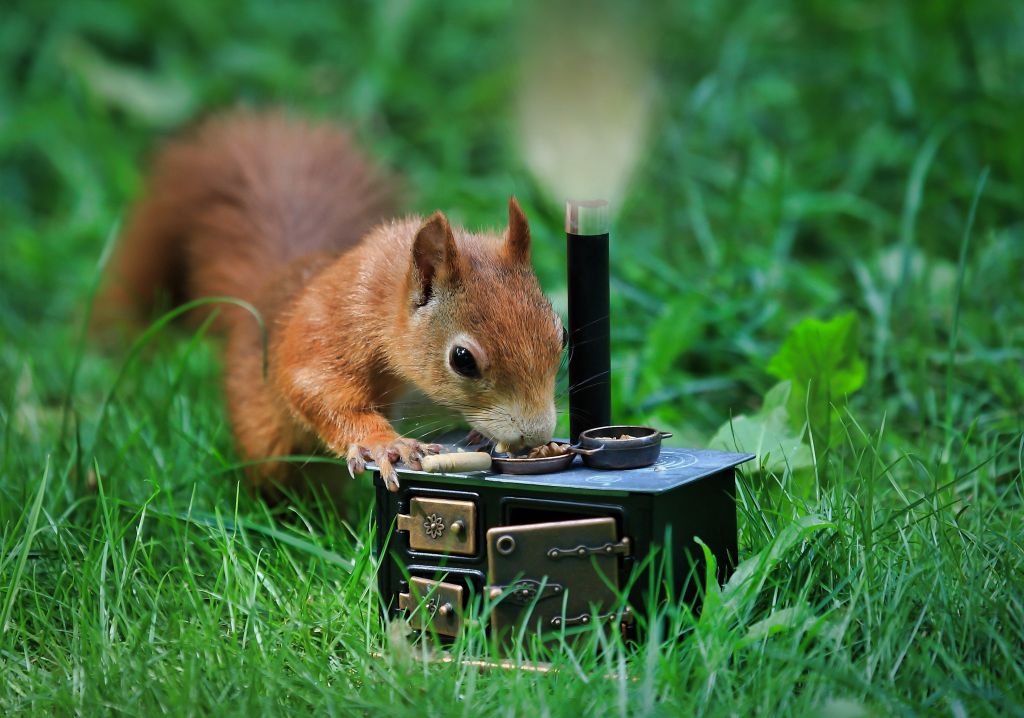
520 428
539 430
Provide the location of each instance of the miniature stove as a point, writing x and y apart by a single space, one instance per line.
551 550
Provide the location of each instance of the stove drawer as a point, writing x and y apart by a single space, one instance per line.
433 604
440 525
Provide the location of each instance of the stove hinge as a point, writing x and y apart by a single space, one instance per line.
610 548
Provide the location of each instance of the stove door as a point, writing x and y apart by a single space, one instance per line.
437 604
554 575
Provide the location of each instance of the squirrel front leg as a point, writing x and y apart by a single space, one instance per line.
339 409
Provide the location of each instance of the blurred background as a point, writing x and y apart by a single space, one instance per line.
769 162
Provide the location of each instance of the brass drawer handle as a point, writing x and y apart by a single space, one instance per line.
444 610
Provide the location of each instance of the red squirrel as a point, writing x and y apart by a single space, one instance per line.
289 216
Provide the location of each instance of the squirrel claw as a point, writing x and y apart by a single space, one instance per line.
386 455
387 472
356 460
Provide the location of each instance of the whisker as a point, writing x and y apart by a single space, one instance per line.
589 324
589 381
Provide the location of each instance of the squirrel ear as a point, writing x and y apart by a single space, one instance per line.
434 258
517 242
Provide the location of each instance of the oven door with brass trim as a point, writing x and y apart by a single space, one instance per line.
554 575
437 604
440 525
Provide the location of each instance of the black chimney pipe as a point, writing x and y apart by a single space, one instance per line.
586 234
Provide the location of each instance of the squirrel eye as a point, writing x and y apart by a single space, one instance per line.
462 361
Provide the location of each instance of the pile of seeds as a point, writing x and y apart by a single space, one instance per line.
548 450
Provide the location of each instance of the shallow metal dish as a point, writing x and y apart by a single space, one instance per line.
544 465
600 452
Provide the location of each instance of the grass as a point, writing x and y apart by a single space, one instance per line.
804 162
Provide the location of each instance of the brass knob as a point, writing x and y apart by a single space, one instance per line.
495 593
458 527
445 610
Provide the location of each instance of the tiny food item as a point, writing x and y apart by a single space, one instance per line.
465 461
620 437
544 451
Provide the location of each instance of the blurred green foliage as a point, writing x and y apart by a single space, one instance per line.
806 161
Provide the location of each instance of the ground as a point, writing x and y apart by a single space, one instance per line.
830 194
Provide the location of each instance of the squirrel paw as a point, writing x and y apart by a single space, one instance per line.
475 438
386 455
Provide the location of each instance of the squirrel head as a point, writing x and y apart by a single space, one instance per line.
489 343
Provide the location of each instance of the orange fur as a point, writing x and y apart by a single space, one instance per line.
287 216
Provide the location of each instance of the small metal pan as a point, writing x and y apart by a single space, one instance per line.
543 465
601 452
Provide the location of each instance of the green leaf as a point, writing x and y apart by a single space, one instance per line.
748 577
712 591
799 618
769 434
823 361
726 608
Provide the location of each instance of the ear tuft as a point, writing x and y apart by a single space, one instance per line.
517 242
434 258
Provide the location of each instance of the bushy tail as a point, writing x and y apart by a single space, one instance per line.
229 204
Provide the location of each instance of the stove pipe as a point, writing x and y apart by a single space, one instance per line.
586 234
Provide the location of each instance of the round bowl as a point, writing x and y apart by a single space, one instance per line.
601 450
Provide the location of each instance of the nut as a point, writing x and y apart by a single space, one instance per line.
548 450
